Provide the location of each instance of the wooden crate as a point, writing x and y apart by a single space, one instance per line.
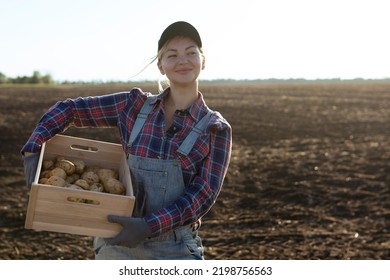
49 207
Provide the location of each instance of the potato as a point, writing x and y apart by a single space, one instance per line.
82 183
94 169
74 187
66 165
44 174
96 187
58 158
72 178
56 181
58 172
47 164
91 177
114 186
90 201
79 165
105 173
43 181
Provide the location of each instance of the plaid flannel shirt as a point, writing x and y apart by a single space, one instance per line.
203 169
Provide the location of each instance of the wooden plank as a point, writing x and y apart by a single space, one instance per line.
59 195
88 228
30 208
125 177
79 209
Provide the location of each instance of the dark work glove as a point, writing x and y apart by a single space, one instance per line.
30 163
134 231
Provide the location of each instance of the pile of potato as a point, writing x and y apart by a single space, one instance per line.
75 174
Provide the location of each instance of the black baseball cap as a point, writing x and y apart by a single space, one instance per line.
179 28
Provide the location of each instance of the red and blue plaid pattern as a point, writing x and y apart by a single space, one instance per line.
203 169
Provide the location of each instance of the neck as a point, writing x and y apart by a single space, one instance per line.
182 97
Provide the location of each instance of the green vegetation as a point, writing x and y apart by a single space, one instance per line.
36 78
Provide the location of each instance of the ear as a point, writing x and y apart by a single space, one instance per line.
160 67
203 62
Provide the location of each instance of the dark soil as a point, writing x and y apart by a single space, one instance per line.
309 176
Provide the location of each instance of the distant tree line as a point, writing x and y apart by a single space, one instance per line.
36 78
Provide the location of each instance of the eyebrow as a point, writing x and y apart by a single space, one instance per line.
175 50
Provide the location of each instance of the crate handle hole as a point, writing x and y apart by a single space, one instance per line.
82 200
84 148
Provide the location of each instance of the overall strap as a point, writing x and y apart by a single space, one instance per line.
141 118
191 138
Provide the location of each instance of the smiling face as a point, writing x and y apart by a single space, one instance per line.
181 61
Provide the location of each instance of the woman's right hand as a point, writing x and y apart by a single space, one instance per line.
30 163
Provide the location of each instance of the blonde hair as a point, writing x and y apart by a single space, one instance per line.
152 60
162 84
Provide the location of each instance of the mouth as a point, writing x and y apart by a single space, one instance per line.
183 70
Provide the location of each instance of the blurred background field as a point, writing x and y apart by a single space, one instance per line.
309 176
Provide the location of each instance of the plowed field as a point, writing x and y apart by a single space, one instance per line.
309 176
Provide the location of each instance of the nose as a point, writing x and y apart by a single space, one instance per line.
182 59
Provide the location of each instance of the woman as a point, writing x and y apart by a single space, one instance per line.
178 152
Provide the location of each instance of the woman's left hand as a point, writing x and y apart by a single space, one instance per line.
134 231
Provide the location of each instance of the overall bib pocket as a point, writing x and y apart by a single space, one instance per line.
149 190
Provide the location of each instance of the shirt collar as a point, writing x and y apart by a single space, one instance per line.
196 110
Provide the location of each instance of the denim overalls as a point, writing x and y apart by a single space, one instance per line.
157 183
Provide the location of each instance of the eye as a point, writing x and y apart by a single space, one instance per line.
172 56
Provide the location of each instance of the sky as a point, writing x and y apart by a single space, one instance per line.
85 40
